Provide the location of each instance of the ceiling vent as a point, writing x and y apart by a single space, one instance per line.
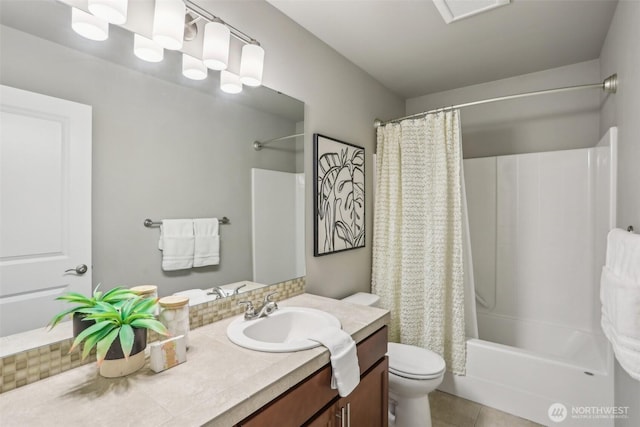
455 10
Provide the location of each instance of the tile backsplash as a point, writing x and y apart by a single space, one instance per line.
26 367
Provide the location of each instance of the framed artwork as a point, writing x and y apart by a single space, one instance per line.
338 188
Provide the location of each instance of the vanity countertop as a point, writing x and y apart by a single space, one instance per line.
219 385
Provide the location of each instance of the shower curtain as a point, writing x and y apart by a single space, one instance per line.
418 252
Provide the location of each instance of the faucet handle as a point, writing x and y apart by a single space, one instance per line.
267 297
249 306
235 290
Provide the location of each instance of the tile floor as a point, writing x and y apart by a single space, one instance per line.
451 411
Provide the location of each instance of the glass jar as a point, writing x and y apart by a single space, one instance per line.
147 291
174 314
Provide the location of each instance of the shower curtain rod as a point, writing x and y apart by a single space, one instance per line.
258 145
609 85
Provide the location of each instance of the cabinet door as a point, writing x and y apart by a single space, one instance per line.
367 405
326 418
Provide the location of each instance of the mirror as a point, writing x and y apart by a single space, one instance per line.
164 146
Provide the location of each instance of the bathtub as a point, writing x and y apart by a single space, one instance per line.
538 224
526 383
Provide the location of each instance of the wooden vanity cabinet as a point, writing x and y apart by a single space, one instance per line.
312 402
366 406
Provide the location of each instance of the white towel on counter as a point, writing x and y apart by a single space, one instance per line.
344 359
207 242
620 297
177 244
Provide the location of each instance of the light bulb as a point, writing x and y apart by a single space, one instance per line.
168 23
251 64
215 47
193 68
114 11
89 26
146 49
229 82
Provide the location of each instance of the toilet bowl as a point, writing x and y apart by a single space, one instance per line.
414 372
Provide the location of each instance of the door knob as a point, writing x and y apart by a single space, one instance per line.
80 270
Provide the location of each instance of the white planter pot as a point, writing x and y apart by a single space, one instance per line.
122 367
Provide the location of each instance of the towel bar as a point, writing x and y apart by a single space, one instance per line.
149 223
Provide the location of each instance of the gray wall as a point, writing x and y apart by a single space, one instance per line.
160 150
341 100
544 123
621 54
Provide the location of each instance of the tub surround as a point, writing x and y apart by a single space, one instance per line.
219 385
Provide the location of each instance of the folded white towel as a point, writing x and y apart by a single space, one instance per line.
207 242
620 297
344 359
621 304
623 254
177 244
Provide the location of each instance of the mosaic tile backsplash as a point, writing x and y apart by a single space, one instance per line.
27 367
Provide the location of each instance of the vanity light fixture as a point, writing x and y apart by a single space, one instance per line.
215 46
174 22
215 52
230 82
146 49
168 23
88 25
193 68
114 11
251 64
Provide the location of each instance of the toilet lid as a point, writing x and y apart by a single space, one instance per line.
413 362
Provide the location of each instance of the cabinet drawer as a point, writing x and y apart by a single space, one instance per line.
303 401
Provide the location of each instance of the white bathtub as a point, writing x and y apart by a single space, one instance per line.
538 224
527 383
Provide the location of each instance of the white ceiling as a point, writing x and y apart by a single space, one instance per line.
407 47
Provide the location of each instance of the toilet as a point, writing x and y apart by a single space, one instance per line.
414 372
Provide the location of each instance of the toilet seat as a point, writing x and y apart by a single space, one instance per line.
412 362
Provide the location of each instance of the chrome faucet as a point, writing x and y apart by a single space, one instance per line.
236 290
268 307
218 291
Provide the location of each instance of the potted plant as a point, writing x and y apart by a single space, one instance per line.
119 334
116 296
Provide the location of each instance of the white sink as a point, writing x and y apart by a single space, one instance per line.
285 330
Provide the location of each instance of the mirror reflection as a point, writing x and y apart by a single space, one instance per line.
163 147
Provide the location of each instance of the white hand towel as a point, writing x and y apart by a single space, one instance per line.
623 254
620 297
207 242
177 244
344 359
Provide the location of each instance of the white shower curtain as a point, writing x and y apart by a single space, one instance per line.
418 234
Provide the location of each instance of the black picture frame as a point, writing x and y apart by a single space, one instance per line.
339 196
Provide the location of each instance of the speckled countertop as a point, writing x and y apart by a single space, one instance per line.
219 385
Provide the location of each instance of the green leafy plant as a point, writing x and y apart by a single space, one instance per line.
117 322
116 296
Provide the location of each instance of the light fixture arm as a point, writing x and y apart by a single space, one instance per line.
210 17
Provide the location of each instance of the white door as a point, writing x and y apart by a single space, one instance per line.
45 206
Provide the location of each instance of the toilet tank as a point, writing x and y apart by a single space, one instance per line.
363 298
